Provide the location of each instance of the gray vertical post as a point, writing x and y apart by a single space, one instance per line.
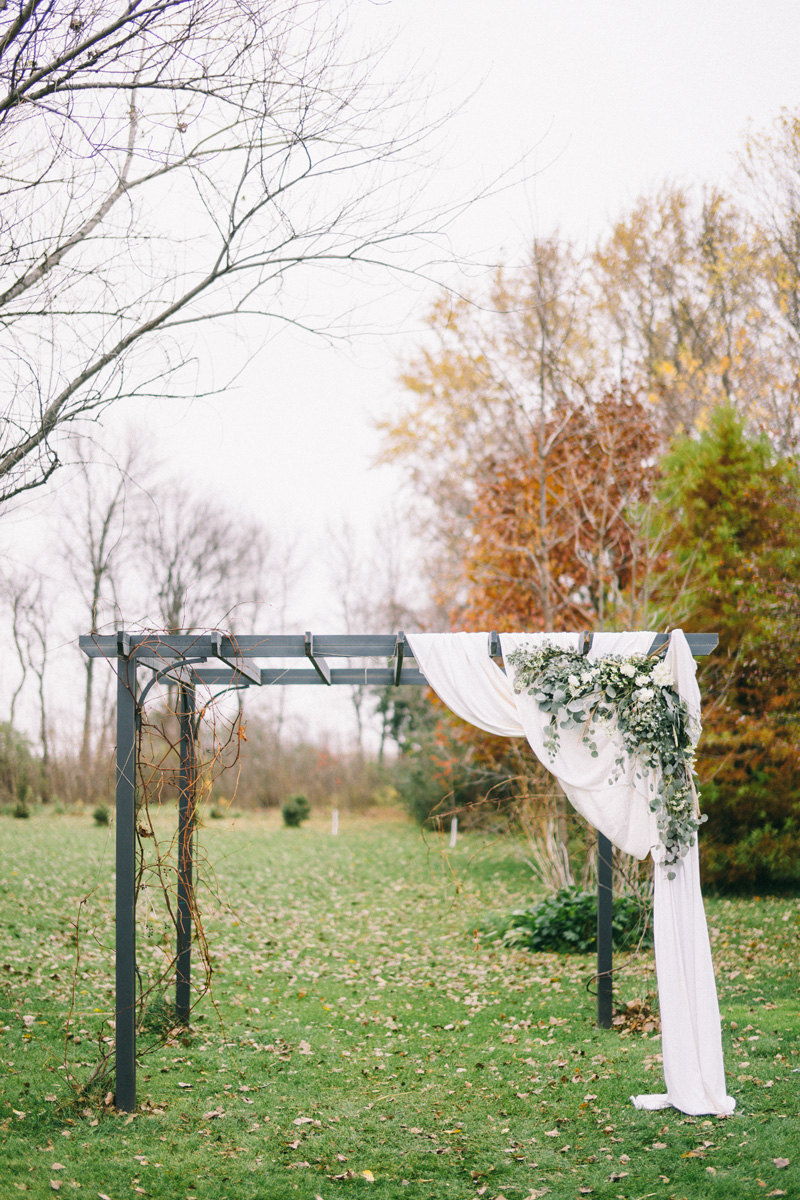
605 952
126 886
186 817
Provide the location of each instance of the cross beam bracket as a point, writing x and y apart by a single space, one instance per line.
245 670
319 664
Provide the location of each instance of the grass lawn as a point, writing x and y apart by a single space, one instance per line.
363 1044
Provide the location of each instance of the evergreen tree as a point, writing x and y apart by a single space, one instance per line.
729 518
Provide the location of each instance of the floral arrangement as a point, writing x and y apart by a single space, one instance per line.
635 695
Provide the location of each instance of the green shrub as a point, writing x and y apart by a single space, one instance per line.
101 815
765 859
566 923
296 810
21 810
17 766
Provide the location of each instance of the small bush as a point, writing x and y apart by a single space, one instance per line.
765 859
17 766
296 810
21 810
101 815
566 923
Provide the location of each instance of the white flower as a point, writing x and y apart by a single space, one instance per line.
645 694
588 676
662 675
573 681
641 681
627 669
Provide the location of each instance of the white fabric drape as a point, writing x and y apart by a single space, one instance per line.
458 668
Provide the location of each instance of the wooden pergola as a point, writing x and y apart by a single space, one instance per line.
224 662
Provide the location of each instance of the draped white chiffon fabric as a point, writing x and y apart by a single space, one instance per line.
458 668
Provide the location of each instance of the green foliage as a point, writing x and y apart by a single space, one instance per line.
730 525
635 694
101 815
435 774
750 773
566 923
764 859
17 767
21 810
729 519
296 810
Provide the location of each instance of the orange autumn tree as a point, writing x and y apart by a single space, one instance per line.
497 374
562 540
534 489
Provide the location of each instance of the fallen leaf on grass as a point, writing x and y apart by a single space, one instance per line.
55 1184
780 1163
551 1133
370 1178
617 1175
303 1121
57 1167
537 1192
51 1097
108 1099
305 1048
215 1112
659 1145
28 1021
777 1192
298 1166
584 1191
663 1178
102 1196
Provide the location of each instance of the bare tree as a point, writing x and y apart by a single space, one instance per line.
31 623
204 566
370 583
165 163
94 553
350 581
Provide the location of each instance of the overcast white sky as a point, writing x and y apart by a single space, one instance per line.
607 100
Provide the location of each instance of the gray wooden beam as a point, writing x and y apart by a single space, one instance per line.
125 1098
187 797
605 933
164 648
319 664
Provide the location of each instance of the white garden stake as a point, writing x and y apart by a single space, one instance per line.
453 832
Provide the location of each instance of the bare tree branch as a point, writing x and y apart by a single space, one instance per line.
174 162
